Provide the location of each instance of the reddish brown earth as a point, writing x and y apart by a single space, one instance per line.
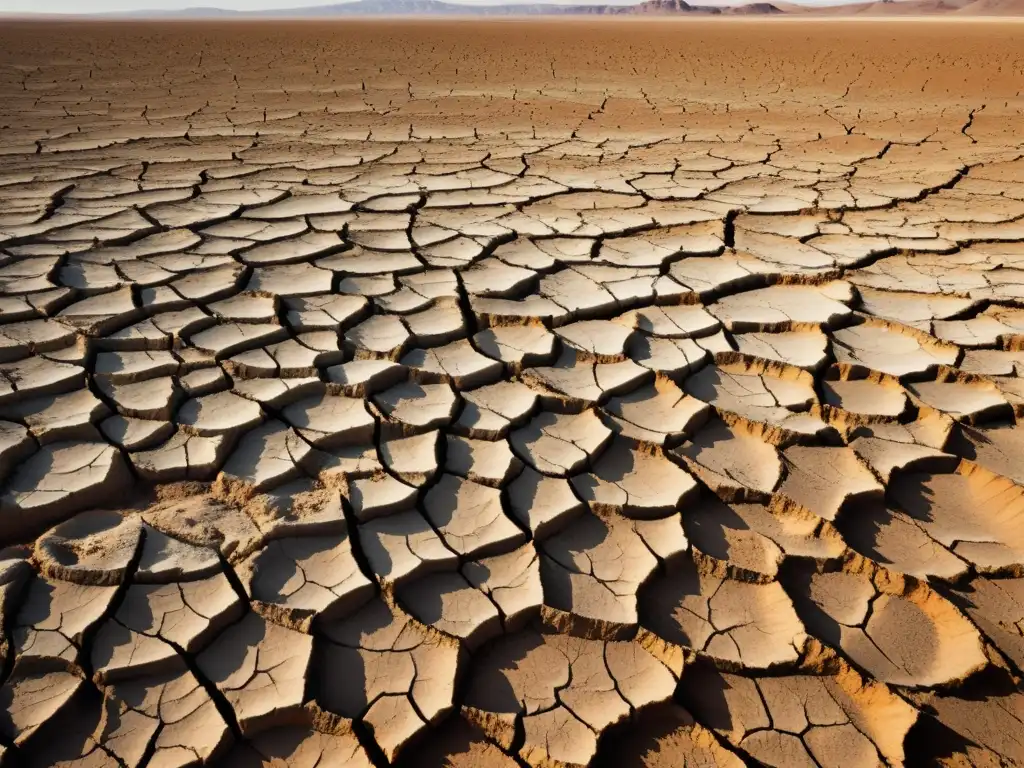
511 394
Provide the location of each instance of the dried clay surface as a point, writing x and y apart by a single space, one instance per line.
521 394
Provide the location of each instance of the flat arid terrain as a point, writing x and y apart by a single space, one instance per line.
492 394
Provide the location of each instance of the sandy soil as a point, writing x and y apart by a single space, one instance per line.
513 393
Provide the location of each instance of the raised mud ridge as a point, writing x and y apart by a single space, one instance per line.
392 416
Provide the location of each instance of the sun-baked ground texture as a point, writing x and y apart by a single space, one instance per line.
513 394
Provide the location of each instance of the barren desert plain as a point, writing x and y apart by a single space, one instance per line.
487 394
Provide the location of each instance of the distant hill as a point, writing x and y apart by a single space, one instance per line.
896 8
992 8
892 8
873 8
754 9
442 8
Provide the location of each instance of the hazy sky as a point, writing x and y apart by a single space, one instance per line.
101 6
107 6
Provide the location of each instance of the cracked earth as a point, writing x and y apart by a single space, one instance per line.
511 394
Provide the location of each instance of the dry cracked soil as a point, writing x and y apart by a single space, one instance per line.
506 394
